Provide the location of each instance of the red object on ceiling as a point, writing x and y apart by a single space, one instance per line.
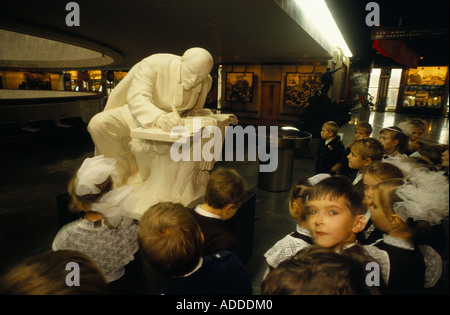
397 50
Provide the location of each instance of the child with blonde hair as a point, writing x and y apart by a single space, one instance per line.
394 141
331 148
405 209
376 173
105 233
362 130
414 128
363 152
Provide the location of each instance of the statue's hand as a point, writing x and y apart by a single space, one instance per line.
168 121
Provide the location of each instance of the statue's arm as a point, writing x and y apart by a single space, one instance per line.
140 96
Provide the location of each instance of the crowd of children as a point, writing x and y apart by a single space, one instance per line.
368 222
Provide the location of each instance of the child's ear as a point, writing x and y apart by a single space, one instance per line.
367 161
395 143
360 223
295 209
395 221
228 208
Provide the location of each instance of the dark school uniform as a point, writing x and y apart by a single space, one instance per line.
329 154
412 269
221 273
217 236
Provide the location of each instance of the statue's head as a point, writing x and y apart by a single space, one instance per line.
196 64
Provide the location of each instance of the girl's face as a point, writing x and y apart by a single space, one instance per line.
370 184
331 222
388 143
378 215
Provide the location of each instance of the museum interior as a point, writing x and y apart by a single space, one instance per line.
382 62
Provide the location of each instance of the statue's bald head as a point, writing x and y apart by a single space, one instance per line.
199 60
196 64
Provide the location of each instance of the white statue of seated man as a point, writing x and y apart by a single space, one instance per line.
145 98
156 92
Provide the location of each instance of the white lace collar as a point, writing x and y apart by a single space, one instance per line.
92 225
397 242
303 231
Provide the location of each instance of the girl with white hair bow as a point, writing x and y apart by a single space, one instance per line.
405 210
104 233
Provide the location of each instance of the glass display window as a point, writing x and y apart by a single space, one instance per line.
425 87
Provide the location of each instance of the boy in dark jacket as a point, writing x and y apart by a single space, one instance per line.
331 148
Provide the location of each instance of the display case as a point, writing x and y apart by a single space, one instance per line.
426 90
71 81
113 78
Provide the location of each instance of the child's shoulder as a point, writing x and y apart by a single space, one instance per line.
433 263
337 143
223 261
223 256
286 248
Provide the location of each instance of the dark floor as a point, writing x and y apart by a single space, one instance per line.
30 183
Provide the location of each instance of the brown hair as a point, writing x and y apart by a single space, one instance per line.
298 193
433 153
170 239
368 148
318 271
336 187
46 274
384 170
225 187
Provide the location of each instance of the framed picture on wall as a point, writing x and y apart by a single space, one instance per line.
239 87
300 87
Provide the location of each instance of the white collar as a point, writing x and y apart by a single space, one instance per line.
205 213
397 242
200 263
303 231
91 225
359 176
347 246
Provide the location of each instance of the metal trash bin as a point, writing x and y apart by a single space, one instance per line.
289 139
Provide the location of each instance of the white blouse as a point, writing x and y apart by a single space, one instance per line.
110 248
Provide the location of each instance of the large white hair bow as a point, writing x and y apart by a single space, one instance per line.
95 171
425 196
